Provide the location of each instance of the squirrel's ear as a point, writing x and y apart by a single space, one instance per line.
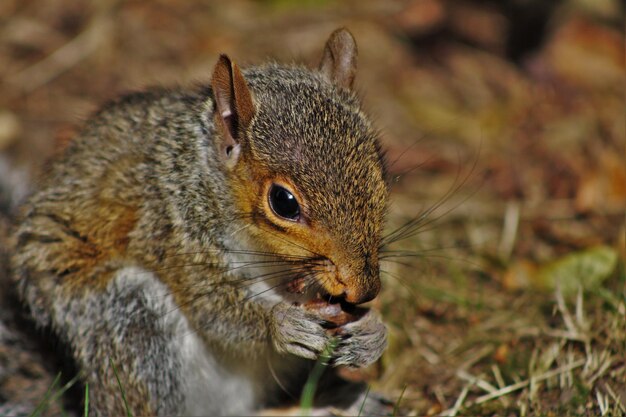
339 61
234 108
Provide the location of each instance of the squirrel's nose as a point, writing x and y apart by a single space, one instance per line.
360 284
366 291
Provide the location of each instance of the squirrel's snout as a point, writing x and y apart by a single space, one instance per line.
363 292
360 283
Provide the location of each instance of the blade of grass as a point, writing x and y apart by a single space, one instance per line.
396 407
525 383
86 412
46 399
308 392
65 387
452 412
119 383
367 392
57 395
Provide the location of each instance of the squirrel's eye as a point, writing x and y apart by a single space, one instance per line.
283 203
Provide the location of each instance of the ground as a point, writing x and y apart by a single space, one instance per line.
503 122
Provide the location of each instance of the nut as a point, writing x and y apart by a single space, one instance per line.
337 314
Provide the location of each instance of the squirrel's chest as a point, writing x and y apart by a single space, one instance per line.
209 386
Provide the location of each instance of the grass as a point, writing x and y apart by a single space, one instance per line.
396 407
43 404
122 391
86 401
308 392
54 395
464 342
525 354
367 393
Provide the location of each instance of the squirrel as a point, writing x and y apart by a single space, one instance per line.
198 249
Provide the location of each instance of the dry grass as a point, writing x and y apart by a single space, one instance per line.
464 345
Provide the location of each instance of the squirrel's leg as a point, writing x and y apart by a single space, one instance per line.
163 366
117 332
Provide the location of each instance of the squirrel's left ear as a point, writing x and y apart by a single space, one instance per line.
234 108
339 61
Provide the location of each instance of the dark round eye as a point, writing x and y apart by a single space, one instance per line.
283 203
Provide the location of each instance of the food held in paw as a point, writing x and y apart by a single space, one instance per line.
336 313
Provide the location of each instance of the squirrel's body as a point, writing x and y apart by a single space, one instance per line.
148 246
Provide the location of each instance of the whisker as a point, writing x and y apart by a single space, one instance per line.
295 244
272 275
273 287
239 252
387 253
282 238
429 258
244 227
224 270
400 281
276 379
397 159
417 224
205 287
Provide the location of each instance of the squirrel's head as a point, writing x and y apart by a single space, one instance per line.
305 166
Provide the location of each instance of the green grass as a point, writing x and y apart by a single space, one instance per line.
119 383
367 393
86 409
54 395
565 357
43 404
396 407
308 392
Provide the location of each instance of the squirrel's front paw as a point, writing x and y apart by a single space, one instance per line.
361 342
298 331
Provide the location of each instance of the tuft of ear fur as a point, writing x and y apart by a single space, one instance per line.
234 108
338 63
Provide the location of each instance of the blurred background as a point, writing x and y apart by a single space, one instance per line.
503 122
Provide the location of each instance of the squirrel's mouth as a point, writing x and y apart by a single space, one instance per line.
304 290
335 311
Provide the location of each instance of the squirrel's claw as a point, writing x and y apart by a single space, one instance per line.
300 332
297 331
362 342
